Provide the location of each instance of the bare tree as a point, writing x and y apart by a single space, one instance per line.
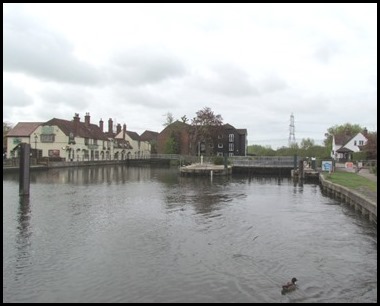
206 127
169 119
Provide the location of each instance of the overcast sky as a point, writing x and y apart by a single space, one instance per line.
254 64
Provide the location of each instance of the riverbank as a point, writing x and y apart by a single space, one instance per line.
359 191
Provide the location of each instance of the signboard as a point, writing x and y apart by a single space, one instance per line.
349 165
327 165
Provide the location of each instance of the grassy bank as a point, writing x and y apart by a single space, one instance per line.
351 180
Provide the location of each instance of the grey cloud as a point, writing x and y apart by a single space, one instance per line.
68 96
143 66
229 81
272 84
15 96
153 97
36 51
324 52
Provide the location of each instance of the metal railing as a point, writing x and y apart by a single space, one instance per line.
263 161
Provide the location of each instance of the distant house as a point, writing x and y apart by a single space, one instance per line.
22 132
150 137
175 138
67 140
73 140
233 142
178 138
140 148
343 145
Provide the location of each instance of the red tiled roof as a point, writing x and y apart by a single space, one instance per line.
23 129
149 136
133 135
79 129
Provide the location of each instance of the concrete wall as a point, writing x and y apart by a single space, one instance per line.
361 203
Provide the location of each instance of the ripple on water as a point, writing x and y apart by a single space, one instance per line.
149 235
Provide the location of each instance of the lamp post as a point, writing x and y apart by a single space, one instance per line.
35 143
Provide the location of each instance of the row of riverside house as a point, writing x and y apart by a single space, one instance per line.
76 140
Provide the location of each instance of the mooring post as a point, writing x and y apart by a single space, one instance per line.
24 169
301 174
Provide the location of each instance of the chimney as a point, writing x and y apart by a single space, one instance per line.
118 128
87 119
101 125
76 123
110 126
124 130
365 132
76 117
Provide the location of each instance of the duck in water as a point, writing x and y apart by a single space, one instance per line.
289 286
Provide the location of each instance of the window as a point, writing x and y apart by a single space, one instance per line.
71 138
231 154
86 141
219 154
230 146
47 137
220 145
355 144
231 137
53 153
361 142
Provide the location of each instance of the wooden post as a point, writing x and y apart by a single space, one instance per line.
24 169
301 174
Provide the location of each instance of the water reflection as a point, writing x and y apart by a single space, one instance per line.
119 234
110 174
24 236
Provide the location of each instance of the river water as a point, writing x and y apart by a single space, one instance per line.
140 234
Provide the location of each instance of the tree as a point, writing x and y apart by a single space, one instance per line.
371 146
6 128
172 145
169 119
346 129
307 143
184 119
261 150
206 127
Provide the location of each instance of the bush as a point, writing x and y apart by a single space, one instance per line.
218 160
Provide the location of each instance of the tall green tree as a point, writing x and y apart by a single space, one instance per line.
345 129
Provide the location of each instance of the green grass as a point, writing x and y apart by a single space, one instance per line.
351 180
